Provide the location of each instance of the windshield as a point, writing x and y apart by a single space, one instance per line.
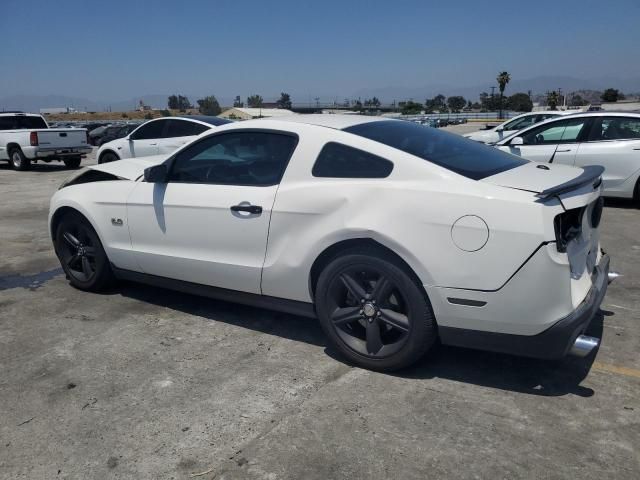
453 152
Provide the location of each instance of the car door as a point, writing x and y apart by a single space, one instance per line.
555 141
143 141
177 133
614 143
208 223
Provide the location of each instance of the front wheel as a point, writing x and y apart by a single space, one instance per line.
19 161
81 254
108 157
374 312
73 162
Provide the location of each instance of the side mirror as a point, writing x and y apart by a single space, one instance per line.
156 174
499 129
517 141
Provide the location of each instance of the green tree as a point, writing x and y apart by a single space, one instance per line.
612 95
456 103
209 106
410 108
520 102
284 101
552 100
436 103
172 102
503 79
254 101
372 102
237 103
357 105
577 101
165 113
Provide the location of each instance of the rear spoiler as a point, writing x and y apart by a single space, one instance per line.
591 174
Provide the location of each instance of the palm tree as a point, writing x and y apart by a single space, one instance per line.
552 100
502 78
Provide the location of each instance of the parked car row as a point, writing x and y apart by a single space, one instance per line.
608 139
506 129
107 133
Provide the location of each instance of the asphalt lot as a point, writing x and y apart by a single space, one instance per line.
146 383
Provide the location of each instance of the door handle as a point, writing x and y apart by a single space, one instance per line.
254 209
153 144
638 148
565 150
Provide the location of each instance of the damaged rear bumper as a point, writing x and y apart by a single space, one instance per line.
554 342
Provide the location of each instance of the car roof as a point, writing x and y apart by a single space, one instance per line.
20 114
329 120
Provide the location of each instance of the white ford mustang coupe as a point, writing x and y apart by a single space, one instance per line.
391 233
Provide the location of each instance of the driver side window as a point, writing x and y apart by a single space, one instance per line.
239 158
566 131
149 131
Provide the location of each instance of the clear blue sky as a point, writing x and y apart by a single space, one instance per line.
115 49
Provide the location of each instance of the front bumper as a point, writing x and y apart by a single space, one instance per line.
554 342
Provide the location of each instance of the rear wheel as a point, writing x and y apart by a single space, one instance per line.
636 194
19 161
73 162
374 312
108 157
81 254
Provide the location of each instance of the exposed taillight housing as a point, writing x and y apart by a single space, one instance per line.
33 139
568 225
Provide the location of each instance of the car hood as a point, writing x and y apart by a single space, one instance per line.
129 168
482 135
545 179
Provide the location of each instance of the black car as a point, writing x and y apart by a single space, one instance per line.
116 131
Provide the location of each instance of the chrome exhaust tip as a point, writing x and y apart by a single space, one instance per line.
611 276
584 345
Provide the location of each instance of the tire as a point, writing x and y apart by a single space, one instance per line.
108 157
374 311
73 162
81 254
636 194
18 161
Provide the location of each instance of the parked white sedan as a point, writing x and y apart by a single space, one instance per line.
513 125
157 137
393 234
594 138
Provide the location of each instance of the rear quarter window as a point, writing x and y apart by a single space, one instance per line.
340 161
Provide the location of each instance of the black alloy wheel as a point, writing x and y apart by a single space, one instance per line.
81 254
374 312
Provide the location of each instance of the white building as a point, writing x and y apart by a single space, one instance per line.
237 113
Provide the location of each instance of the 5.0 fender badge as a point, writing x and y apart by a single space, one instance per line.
117 222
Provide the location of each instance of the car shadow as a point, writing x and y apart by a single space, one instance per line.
621 203
499 371
40 167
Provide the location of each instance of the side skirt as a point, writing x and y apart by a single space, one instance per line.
294 307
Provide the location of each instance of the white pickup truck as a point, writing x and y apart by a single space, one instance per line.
26 138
